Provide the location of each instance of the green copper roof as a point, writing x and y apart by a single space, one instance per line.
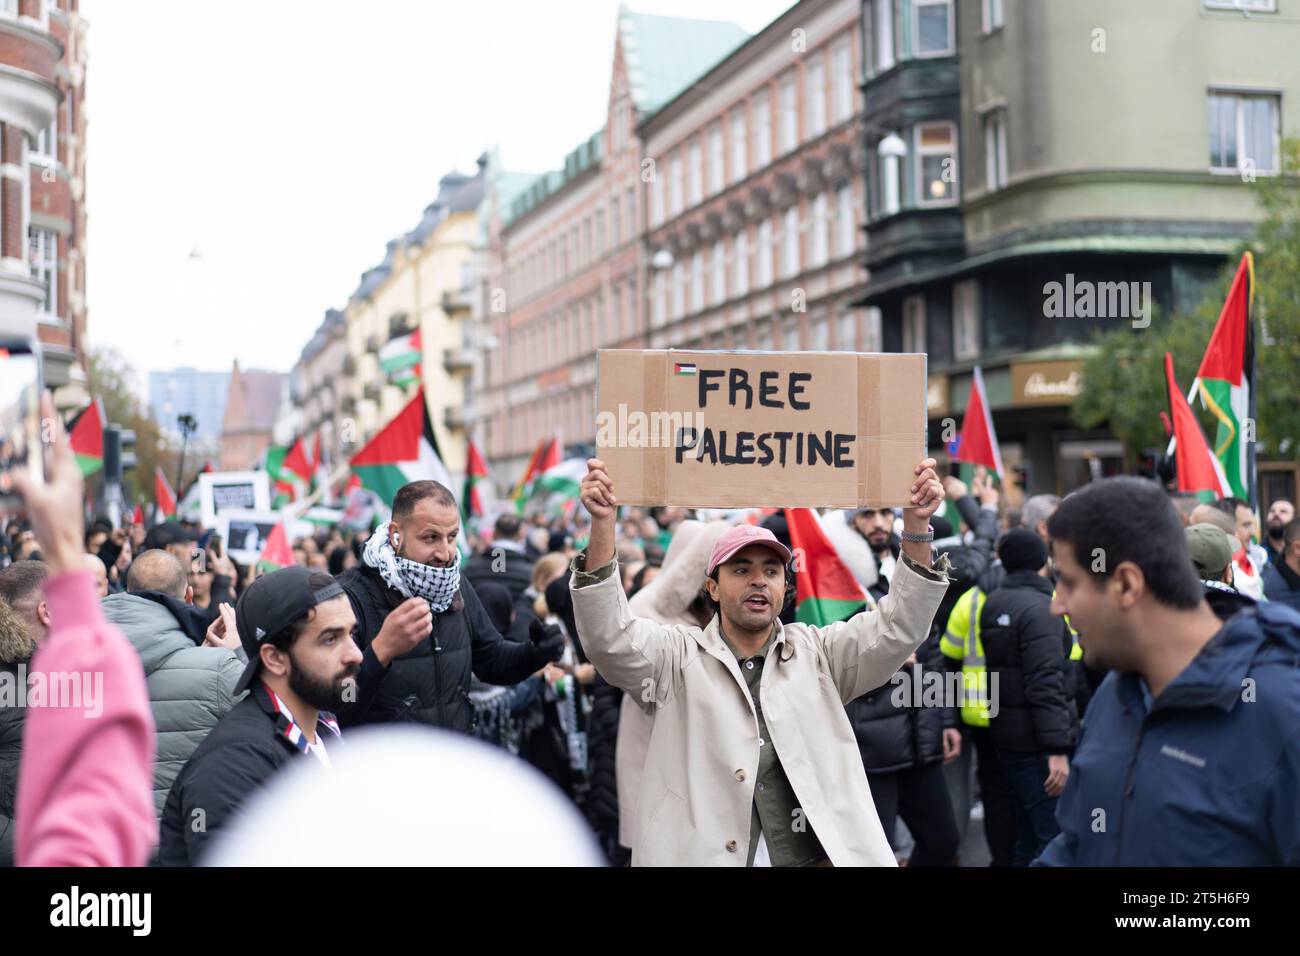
664 55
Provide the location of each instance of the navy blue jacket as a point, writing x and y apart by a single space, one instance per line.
1210 777
1281 584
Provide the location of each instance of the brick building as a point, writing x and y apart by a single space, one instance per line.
42 185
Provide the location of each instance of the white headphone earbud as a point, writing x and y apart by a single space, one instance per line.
397 539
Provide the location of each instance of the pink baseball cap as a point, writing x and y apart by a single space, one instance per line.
741 537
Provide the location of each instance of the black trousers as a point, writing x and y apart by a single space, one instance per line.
920 796
999 804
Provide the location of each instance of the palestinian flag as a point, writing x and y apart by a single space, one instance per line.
400 359
1225 381
283 489
163 496
1198 470
86 435
359 506
978 442
546 455
478 484
557 488
825 589
405 450
298 463
137 516
277 554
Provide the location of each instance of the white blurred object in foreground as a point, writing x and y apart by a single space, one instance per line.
408 796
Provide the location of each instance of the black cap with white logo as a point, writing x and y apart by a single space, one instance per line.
273 603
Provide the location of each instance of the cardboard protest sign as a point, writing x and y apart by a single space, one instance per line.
761 429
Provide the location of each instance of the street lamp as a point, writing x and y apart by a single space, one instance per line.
188 425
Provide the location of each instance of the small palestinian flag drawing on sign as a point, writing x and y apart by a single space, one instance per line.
683 368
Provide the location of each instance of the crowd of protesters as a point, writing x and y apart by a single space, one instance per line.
1123 651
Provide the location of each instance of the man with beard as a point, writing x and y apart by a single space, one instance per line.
1189 755
752 760
876 525
296 627
421 627
1280 514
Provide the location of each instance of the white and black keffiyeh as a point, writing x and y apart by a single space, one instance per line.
438 586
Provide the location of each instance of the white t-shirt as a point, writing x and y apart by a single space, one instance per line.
317 749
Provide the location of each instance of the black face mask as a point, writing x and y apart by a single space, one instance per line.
323 695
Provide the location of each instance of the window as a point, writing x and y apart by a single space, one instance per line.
677 184
763 275
9 8
882 24
818 247
965 320
842 79
936 164
715 159
932 28
696 172
821 334
45 267
765 336
874 332
679 290
600 232
914 324
845 224
846 331
615 235
992 15
790 243
740 263
739 150
719 269
815 97
47 141
762 130
995 150
789 128
1243 132
790 336
697 281
661 298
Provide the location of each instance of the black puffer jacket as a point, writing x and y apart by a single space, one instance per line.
1028 649
970 562
430 684
16 649
511 569
893 737
602 742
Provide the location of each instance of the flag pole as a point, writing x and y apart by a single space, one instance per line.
1251 446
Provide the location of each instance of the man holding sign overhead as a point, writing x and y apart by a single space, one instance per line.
752 760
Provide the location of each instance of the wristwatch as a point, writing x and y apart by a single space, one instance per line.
917 538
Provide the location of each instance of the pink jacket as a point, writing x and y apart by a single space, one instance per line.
86 779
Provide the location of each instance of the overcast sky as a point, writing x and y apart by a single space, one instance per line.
246 162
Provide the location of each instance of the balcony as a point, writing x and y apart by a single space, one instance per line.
457 360
455 303
453 417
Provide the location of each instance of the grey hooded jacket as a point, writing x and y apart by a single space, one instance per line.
190 687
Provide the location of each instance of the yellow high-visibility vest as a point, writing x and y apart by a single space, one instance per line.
961 642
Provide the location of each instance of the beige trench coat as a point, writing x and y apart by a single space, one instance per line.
700 771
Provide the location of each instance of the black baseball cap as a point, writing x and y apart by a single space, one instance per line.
273 603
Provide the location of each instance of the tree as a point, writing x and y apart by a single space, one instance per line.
1123 383
113 380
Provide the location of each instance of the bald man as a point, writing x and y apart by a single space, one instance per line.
96 567
190 686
